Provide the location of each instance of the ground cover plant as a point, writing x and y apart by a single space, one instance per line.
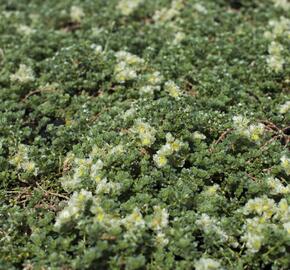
144 134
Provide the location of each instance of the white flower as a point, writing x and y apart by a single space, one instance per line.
277 187
211 190
25 30
198 136
154 78
105 187
126 7
281 27
160 160
75 206
167 14
254 242
127 66
262 206
275 60
211 225
165 150
30 167
126 75
161 239
22 161
117 150
20 157
98 49
96 170
76 14
172 89
164 15
200 8
178 37
287 227
23 75
134 220
145 131
129 58
160 218
285 107
71 183
172 146
96 31
283 211
207 264
205 221
275 63
255 132
253 236
129 113
149 89
284 4
240 122
285 163
275 48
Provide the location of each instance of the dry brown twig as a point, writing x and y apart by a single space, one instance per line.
52 193
279 133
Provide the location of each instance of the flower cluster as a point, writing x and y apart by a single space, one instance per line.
105 187
167 14
284 4
90 171
145 132
158 223
134 220
172 146
285 163
98 49
198 136
178 37
153 81
160 219
76 205
207 264
212 190
22 161
200 8
253 132
96 171
267 211
81 170
285 107
130 113
279 28
127 66
264 207
133 223
23 75
25 30
172 89
275 59
76 14
254 234
211 225
283 212
277 187
127 7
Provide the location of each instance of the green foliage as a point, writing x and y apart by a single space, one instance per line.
150 136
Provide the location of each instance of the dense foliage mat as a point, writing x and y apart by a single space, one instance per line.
144 134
